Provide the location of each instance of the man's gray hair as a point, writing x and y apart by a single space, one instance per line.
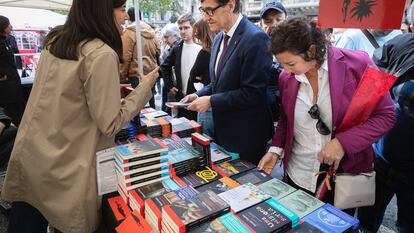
171 29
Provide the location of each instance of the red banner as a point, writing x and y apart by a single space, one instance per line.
364 14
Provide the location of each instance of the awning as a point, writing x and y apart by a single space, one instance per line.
40 4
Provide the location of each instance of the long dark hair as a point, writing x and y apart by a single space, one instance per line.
87 20
202 32
296 36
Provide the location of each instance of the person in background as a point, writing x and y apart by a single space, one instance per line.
179 62
239 70
7 136
317 84
150 52
354 39
74 110
394 151
199 74
11 93
171 38
271 15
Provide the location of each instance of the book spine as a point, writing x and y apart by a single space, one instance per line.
173 216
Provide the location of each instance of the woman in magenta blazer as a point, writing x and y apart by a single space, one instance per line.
316 87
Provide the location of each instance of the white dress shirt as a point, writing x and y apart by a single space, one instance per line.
230 33
307 141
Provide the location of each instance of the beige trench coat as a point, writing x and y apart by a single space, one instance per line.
73 111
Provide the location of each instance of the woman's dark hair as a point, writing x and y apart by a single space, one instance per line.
4 23
87 20
202 32
296 36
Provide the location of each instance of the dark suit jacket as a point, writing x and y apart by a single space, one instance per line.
345 70
10 89
238 94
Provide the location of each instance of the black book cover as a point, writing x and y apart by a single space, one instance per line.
235 166
253 176
264 218
305 228
200 176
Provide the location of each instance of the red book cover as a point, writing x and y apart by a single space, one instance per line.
200 139
141 137
134 223
119 208
174 218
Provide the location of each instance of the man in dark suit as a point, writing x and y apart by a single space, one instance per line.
239 69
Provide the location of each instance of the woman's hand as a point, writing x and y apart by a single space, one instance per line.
331 153
150 78
268 162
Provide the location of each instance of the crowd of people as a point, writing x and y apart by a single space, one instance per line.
275 90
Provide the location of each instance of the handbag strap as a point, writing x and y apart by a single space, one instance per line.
371 38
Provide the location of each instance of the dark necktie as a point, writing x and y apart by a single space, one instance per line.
226 42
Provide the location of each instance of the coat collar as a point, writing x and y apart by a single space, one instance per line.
337 72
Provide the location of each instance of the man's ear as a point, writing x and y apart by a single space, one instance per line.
232 5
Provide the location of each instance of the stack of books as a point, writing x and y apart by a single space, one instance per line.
138 196
201 143
153 206
185 215
218 155
182 156
128 131
227 223
199 176
153 127
140 163
301 203
276 188
184 127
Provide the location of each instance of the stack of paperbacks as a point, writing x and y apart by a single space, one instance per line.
140 163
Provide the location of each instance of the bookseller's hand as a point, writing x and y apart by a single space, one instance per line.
331 153
150 78
189 98
268 162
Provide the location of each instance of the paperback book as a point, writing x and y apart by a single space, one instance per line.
276 188
243 197
301 203
219 186
200 176
233 167
253 176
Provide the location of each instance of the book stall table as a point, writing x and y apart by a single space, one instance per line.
169 177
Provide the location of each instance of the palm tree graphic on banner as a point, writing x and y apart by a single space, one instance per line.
361 9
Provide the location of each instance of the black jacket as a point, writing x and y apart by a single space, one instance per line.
10 88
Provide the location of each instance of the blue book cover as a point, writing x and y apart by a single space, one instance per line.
294 218
330 219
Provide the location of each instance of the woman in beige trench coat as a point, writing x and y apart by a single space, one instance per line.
74 110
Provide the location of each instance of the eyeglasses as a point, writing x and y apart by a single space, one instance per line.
320 125
210 11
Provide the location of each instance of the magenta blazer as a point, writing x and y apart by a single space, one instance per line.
345 71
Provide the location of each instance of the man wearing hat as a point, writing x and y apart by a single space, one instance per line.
271 15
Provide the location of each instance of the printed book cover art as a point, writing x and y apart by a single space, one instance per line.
305 228
253 176
174 196
264 218
200 176
301 203
218 155
276 188
140 148
235 166
330 219
243 197
134 223
215 226
198 208
119 208
182 154
158 188
219 186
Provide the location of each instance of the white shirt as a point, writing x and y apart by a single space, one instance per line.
188 58
230 33
307 141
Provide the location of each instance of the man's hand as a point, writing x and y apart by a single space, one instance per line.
2 126
150 78
173 91
268 162
189 98
331 153
201 104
